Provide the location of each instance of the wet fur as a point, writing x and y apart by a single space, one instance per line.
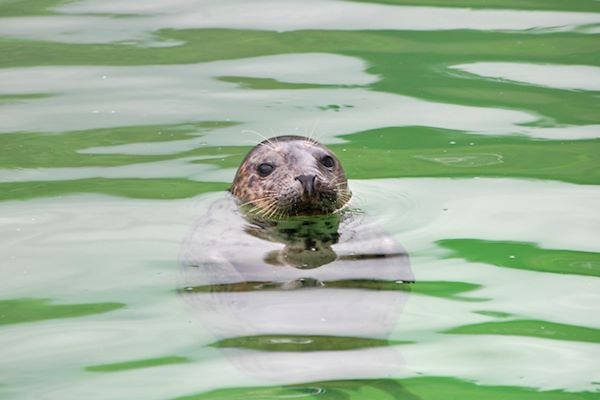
280 194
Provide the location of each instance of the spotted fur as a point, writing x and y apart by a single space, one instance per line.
281 193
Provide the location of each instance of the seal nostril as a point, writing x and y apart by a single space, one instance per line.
308 183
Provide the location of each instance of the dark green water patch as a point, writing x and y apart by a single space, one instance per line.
302 283
20 8
36 150
444 289
533 328
133 188
447 290
303 343
137 364
420 388
16 311
495 314
221 44
534 5
527 256
271 84
430 152
372 389
14 98
425 138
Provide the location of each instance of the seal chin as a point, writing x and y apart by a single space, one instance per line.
316 204
311 199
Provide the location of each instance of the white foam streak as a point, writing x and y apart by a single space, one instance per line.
570 77
91 25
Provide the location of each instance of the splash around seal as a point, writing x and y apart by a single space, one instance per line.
290 176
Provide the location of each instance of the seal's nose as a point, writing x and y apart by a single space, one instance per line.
308 184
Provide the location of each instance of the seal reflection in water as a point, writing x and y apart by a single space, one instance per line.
283 261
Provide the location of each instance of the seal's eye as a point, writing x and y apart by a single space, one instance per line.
328 161
265 169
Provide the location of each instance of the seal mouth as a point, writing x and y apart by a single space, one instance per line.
313 204
298 204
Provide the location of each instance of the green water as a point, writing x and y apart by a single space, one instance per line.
469 130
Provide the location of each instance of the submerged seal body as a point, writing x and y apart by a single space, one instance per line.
290 176
283 259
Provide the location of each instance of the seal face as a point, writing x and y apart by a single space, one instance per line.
290 176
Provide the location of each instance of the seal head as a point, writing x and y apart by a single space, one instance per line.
290 176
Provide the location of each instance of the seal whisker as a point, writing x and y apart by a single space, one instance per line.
272 213
313 131
261 210
279 214
250 202
271 210
343 198
269 202
271 207
269 196
265 141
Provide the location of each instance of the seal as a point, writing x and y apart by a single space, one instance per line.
284 259
290 176
293 191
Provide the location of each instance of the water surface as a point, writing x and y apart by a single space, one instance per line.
470 133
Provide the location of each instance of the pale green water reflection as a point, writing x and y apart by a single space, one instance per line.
470 132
